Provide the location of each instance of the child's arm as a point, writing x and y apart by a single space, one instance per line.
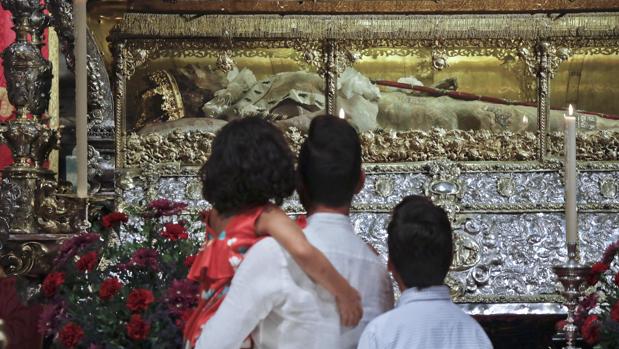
277 224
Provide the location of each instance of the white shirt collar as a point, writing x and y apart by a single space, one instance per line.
431 293
330 217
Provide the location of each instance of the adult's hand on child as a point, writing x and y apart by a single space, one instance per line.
349 307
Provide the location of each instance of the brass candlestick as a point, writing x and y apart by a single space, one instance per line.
572 276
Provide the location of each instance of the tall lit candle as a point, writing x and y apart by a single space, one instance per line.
81 99
571 215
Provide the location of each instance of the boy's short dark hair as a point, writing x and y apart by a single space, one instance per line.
250 165
420 242
330 161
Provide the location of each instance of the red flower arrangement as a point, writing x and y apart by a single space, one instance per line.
597 314
114 305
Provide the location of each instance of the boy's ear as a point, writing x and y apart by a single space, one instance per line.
361 182
390 265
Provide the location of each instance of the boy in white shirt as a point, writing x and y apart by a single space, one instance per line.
420 254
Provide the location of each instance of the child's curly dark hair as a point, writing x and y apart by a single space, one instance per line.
250 165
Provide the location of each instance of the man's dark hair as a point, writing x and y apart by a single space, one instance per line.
330 161
250 165
420 242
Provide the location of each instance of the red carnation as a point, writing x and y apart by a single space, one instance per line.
71 247
599 267
139 299
137 328
596 270
611 251
87 262
188 262
109 220
51 283
181 296
617 279
165 207
71 335
590 329
173 231
109 288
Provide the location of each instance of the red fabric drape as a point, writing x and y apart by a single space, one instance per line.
7 36
20 321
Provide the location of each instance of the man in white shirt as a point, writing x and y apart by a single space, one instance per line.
420 254
270 296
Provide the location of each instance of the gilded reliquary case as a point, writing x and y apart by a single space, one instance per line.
418 88
466 109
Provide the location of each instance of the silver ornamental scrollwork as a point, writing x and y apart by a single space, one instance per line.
439 60
194 191
445 189
383 187
100 100
224 62
608 188
330 75
518 251
517 248
101 169
506 186
543 64
467 252
535 191
29 78
25 258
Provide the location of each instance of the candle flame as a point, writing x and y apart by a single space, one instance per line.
342 114
570 110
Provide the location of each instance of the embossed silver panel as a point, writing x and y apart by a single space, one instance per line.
538 187
509 230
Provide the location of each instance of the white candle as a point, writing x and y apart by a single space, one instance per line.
342 114
571 216
81 99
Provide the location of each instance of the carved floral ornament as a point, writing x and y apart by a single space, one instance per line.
193 147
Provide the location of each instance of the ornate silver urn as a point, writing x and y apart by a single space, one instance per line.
35 211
